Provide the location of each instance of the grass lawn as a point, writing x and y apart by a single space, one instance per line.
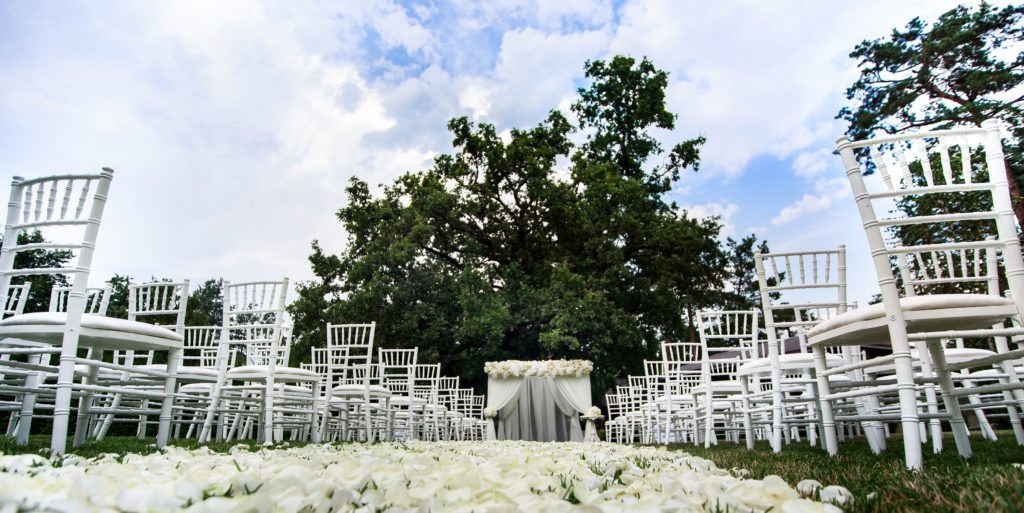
988 482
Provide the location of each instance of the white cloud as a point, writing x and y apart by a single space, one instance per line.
827 191
757 78
234 126
808 164
724 211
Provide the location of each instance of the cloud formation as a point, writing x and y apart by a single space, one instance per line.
235 125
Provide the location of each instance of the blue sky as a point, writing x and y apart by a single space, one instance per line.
234 125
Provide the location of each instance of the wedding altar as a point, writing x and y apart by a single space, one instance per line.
540 401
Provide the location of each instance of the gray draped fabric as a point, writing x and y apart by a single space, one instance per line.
539 414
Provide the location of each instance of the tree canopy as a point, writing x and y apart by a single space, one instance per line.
527 245
40 284
964 68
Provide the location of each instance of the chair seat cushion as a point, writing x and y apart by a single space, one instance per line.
187 373
934 312
787 362
261 372
404 399
677 398
355 389
97 322
718 386
196 388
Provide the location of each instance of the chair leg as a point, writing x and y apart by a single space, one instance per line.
1013 412
908 400
931 400
956 421
777 400
84 407
748 424
170 388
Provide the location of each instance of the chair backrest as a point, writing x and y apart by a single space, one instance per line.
476 405
97 299
937 162
163 300
638 391
16 297
654 371
397 369
731 335
682 366
425 381
614 405
68 210
800 290
966 269
446 391
351 353
253 317
200 346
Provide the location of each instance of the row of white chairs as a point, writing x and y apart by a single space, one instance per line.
214 382
228 384
812 369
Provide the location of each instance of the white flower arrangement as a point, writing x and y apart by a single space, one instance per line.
594 412
407 476
543 368
490 413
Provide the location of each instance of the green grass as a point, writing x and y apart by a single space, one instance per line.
40 444
988 482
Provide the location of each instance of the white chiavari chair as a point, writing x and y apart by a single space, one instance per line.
69 208
447 397
727 341
425 387
683 372
354 392
613 427
39 399
398 374
920 165
158 302
253 317
13 305
197 375
474 424
657 391
798 291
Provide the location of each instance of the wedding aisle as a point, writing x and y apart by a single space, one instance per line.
396 477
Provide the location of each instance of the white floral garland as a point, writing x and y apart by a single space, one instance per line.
545 368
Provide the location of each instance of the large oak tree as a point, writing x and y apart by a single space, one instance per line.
528 246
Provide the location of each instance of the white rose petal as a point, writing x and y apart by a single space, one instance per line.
836 494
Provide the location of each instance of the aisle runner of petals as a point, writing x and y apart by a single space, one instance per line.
394 477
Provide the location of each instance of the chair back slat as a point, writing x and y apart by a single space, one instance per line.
17 295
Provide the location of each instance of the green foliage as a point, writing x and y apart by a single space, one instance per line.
118 304
744 290
496 253
962 69
205 305
39 292
954 65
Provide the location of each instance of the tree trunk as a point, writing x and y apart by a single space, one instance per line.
689 319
